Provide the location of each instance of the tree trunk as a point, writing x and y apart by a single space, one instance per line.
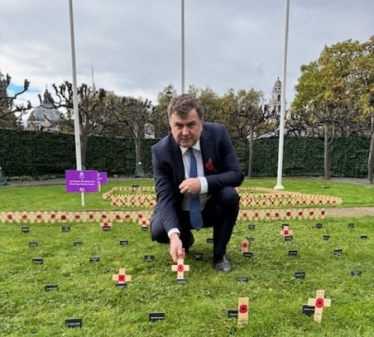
138 148
326 154
250 155
371 159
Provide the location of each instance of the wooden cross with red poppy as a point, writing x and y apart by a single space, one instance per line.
286 231
319 303
245 246
121 277
243 311
106 225
180 268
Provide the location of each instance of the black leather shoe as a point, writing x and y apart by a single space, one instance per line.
222 264
189 243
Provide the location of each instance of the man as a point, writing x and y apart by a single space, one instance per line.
195 169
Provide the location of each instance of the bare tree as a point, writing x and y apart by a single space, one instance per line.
10 113
91 112
135 115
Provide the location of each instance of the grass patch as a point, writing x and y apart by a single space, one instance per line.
199 308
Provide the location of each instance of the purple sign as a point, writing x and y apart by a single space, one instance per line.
102 177
81 181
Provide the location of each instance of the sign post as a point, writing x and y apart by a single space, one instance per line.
81 182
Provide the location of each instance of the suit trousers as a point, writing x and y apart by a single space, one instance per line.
220 212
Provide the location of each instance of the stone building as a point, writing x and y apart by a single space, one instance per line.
45 116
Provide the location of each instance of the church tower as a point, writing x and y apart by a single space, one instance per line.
275 100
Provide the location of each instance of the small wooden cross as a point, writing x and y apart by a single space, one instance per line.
319 303
245 246
180 268
286 231
243 311
121 277
105 225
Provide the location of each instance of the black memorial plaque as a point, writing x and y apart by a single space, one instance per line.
121 285
242 279
209 240
65 229
78 243
351 225
49 287
198 256
250 239
95 259
251 226
247 254
326 237
232 313
292 252
356 273
285 225
307 310
33 244
338 252
74 323
37 260
25 229
144 228
123 242
288 238
300 275
156 316
107 228
319 225
364 237
181 281
149 258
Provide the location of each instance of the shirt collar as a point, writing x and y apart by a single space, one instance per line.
195 147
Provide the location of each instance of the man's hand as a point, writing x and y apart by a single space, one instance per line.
176 248
190 186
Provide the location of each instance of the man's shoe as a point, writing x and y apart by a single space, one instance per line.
222 264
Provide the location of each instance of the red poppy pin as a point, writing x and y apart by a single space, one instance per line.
209 165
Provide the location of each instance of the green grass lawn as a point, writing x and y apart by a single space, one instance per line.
198 308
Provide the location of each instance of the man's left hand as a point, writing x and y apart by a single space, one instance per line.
190 186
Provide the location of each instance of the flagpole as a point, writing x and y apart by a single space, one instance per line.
182 45
75 97
279 185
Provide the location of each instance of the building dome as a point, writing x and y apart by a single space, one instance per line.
44 115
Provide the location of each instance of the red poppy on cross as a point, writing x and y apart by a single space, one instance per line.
180 268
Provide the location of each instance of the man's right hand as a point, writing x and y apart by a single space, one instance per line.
176 247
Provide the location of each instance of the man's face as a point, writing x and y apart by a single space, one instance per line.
186 131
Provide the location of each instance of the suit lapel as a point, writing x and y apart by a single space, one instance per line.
206 145
176 159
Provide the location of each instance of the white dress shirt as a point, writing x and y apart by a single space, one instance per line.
200 174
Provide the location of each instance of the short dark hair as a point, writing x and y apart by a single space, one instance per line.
183 104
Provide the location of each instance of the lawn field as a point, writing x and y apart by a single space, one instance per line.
199 308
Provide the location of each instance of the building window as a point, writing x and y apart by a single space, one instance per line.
279 98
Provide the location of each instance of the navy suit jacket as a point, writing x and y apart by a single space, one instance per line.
168 170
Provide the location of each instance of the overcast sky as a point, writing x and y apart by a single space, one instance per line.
135 46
